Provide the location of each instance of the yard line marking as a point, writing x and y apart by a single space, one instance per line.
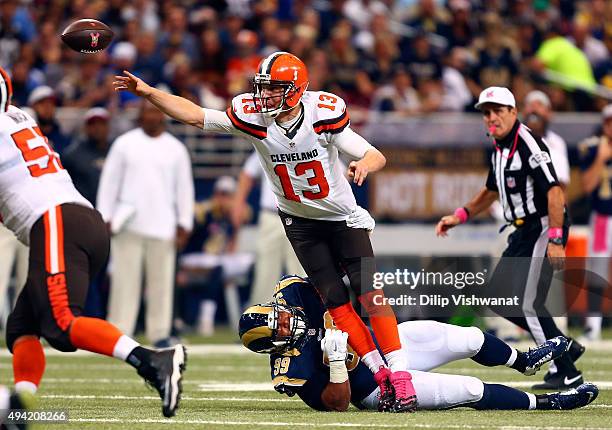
202 399
498 369
264 367
229 387
604 385
183 398
209 385
319 425
217 349
234 349
224 386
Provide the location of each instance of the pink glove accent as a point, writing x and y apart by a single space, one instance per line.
600 233
462 214
555 232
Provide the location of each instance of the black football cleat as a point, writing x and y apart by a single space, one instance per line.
560 381
572 399
548 351
22 401
575 349
164 372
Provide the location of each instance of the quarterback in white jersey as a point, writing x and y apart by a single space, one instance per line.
301 163
297 135
69 245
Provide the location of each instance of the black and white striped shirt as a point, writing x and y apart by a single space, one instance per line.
521 172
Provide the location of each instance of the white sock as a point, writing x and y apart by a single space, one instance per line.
26 386
373 360
398 362
123 347
593 322
512 358
532 401
206 324
5 398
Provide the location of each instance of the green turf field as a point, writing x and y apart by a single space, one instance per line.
226 390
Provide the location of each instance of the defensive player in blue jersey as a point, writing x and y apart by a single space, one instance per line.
310 357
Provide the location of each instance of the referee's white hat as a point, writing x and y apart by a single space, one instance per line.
498 95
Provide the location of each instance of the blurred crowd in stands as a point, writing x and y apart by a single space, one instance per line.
407 56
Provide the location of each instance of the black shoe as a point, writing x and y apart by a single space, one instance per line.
575 398
560 381
164 372
23 401
575 349
549 350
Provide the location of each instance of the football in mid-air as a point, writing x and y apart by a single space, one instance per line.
87 36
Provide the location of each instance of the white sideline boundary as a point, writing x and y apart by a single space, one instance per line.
236 349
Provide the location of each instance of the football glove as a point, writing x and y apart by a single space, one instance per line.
361 218
334 344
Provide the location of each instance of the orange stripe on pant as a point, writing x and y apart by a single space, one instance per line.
55 265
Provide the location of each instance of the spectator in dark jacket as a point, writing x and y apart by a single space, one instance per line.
43 102
84 158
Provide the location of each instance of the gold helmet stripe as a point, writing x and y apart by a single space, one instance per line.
255 334
286 282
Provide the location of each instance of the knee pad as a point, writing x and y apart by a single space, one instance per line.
441 391
464 340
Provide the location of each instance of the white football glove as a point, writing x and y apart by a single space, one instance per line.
361 218
334 344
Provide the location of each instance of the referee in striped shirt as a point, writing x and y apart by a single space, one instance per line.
522 176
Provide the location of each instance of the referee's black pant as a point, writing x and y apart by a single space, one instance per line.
525 271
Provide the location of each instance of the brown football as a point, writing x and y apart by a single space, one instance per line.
87 36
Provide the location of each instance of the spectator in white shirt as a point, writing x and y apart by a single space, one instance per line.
146 196
457 95
274 252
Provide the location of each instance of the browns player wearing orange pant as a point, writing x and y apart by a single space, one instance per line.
297 135
69 245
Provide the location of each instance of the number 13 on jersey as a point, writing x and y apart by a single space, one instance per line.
317 179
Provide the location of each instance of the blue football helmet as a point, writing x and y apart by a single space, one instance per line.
258 328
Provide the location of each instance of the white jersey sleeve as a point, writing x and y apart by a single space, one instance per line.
240 118
332 119
350 143
217 121
329 114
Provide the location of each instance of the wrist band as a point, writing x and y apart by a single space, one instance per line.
555 232
463 214
338 372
